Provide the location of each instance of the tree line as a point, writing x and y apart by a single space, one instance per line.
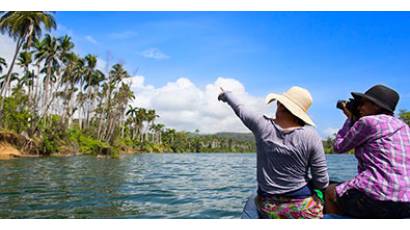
62 102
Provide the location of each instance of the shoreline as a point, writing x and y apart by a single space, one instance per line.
13 145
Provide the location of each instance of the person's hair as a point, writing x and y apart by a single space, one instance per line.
300 121
386 112
382 110
297 119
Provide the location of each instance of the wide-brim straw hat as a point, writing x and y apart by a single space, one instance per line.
297 100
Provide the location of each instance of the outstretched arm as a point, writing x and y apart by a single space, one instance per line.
251 120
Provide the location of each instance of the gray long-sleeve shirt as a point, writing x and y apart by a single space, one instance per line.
284 157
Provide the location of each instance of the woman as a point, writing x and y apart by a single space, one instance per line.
289 156
382 148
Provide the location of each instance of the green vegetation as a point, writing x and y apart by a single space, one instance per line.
405 116
62 103
328 145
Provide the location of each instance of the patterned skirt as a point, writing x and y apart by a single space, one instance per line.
281 207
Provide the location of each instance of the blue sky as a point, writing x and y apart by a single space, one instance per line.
329 53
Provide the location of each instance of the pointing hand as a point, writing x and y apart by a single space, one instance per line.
221 96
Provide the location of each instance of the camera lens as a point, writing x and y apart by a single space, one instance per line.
340 103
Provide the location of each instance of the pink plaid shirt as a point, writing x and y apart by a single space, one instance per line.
382 148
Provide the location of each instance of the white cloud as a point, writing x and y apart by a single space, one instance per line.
91 39
184 106
154 53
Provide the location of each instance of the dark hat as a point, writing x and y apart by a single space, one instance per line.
380 95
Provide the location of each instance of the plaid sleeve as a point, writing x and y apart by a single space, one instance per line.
349 137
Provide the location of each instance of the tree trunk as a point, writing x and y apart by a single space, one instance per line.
70 112
110 130
46 109
46 85
8 78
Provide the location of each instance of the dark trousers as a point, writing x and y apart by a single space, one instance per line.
358 205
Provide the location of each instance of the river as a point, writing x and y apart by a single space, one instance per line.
136 186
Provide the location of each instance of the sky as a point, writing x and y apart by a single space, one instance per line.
178 60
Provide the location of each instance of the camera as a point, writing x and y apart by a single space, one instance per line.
352 105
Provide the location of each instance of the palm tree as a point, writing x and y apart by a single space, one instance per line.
13 77
142 116
3 64
132 113
157 128
116 75
69 61
25 60
150 117
66 45
24 27
71 76
102 108
81 98
48 50
93 78
121 100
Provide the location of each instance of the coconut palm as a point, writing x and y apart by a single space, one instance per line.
121 99
157 129
132 113
24 61
48 51
23 27
81 98
66 46
13 77
142 116
71 76
3 64
150 117
93 77
116 75
67 58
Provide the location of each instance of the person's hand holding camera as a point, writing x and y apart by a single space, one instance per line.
346 111
349 108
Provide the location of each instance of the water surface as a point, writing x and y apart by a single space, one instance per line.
136 186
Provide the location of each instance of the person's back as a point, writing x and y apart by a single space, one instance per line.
287 151
284 155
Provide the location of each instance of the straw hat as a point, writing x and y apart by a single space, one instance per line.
297 100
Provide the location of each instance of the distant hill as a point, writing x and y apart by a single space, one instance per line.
237 136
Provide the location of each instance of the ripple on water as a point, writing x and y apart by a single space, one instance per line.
136 186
